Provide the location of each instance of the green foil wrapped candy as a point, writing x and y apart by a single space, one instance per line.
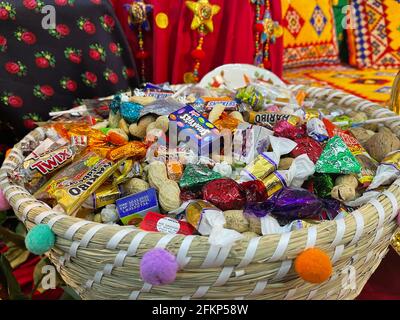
323 185
197 175
337 158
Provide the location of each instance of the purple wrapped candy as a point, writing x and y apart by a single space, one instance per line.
258 209
289 203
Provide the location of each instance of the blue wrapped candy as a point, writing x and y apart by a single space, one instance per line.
130 111
115 104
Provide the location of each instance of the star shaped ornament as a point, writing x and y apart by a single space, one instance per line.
272 29
138 12
203 14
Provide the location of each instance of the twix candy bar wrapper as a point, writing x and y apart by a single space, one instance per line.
37 168
73 185
45 146
269 119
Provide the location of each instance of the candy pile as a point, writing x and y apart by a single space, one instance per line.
225 164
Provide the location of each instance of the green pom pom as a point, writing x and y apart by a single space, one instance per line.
40 239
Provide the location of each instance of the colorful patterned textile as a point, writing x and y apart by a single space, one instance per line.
309 33
85 56
375 40
369 84
340 10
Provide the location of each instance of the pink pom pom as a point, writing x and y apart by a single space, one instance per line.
4 205
158 267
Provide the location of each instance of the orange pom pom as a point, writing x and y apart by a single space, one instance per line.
313 265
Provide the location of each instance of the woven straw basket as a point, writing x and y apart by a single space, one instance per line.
102 261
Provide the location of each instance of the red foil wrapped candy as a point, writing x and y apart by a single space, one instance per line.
285 129
254 191
226 194
307 146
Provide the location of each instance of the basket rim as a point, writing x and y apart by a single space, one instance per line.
37 208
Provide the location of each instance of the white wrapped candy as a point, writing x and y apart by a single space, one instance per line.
269 225
212 225
223 168
109 214
365 198
300 170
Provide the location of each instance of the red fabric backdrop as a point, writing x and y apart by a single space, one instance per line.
231 42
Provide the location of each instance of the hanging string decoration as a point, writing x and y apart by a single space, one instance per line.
266 32
138 21
202 22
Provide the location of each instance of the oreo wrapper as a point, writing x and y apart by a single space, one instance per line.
35 171
73 185
225 194
157 222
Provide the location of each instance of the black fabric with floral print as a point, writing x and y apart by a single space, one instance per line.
85 56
